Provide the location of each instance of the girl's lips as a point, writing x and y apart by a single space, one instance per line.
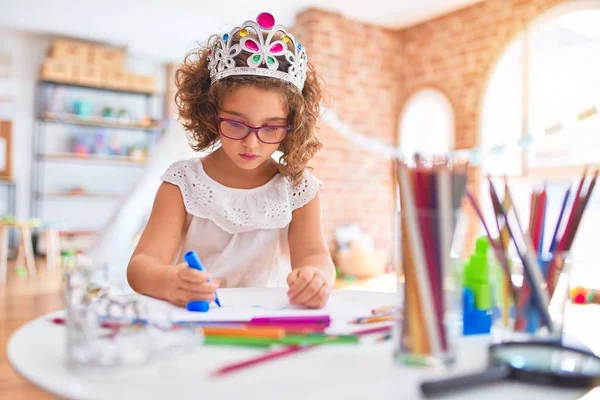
248 156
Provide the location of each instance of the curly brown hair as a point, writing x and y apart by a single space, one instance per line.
198 102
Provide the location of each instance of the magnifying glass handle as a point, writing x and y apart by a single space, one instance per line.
490 375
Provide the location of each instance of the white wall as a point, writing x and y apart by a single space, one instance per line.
28 51
114 245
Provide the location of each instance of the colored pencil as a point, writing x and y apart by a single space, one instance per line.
542 223
370 331
434 216
318 339
260 359
445 227
384 337
414 322
505 237
562 244
585 200
533 203
309 319
383 309
238 341
265 333
310 339
426 216
370 320
563 207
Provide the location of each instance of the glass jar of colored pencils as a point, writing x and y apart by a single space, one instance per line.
430 228
106 329
528 318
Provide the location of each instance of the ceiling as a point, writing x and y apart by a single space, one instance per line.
165 29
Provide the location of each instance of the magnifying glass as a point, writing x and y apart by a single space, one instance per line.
533 362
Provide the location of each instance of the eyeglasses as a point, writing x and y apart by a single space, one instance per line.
236 130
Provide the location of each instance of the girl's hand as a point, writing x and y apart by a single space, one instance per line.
185 284
308 287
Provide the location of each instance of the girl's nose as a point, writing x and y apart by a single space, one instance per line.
251 141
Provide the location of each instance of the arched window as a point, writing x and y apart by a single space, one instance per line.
546 87
427 124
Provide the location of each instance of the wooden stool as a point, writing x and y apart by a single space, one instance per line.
25 251
4 233
52 247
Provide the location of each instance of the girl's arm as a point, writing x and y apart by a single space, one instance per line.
150 269
313 272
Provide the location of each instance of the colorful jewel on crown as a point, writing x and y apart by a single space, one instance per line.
263 51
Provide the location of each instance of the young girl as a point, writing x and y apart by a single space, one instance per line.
253 221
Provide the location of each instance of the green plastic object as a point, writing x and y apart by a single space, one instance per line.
477 275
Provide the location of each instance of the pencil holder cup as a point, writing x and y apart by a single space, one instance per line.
526 321
106 328
430 287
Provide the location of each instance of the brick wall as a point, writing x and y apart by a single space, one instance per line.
372 72
457 52
359 64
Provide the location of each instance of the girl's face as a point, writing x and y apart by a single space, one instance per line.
257 108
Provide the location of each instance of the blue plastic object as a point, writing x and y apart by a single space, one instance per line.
194 262
198 305
475 321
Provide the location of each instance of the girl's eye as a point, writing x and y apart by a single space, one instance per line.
235 125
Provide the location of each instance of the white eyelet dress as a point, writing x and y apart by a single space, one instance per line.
240 235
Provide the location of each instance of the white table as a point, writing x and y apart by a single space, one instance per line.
365 371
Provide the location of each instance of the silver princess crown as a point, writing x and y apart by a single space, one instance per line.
262 60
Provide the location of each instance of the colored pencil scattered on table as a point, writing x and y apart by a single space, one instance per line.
260 359
373 319
383 310
384 337
370 331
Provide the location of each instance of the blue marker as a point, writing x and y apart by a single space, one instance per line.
194 262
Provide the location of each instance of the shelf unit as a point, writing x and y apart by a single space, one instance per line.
97 88
54 163
83 195
99 122
91 159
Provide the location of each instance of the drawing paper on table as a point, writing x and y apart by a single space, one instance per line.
240 304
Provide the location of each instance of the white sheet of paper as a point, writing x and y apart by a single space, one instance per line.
244 304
